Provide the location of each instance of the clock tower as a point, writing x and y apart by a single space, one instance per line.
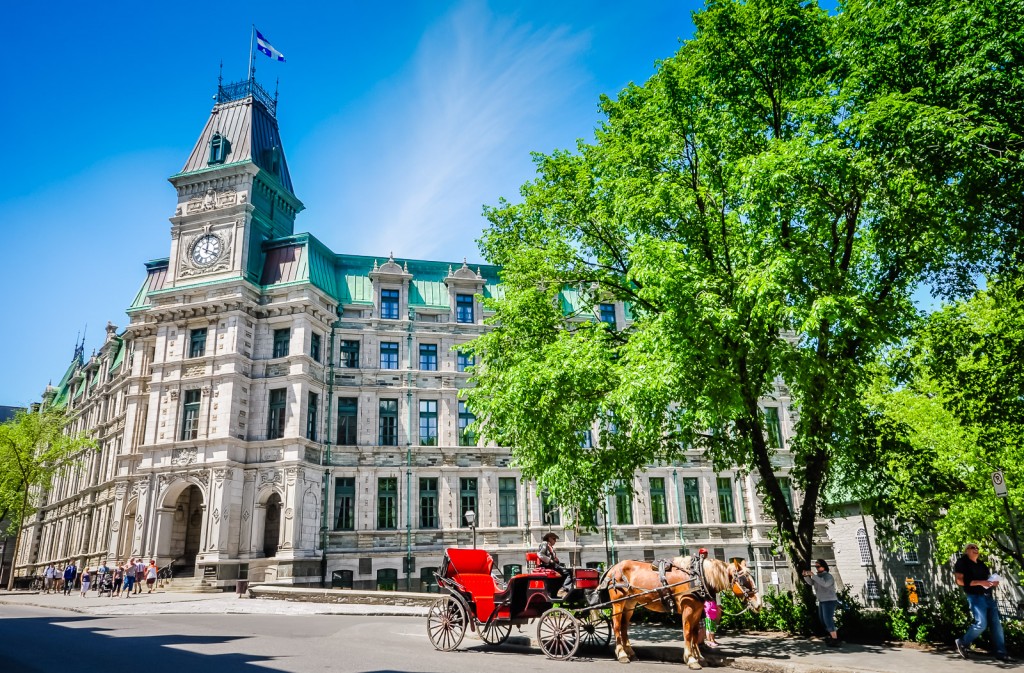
234 192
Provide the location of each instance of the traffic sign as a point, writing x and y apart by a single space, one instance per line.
999 484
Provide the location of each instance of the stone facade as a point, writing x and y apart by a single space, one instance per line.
269 397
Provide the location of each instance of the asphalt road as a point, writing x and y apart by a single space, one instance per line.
38 640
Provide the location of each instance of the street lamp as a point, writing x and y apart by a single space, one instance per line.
471 521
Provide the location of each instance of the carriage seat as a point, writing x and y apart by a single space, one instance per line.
472 569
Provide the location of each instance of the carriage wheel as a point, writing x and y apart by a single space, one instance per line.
558 633
446 624
595 630
496 633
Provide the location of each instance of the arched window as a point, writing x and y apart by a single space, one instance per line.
864 546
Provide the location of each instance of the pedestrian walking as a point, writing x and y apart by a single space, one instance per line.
978 583
824 586
140 575
86 581
151 572
48 576
118 579
129 577
70 572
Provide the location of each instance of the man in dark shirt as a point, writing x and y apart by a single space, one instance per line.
974 576
549 559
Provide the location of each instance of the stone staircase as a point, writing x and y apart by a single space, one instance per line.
187 582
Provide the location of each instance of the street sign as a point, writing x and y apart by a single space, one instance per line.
999 484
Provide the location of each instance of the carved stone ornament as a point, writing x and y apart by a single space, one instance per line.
269 454
115 524
185 456
201 477
222 473
138 520
193 371
216 514
245 515
211 199
173 394
164 479
271 477
288 513
187 265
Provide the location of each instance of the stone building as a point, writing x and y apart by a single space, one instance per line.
278 411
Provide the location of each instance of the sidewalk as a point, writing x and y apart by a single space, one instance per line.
761 653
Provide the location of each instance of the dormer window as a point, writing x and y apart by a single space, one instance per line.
219 149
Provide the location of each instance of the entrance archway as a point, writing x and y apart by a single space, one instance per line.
187 529
127 535
272 526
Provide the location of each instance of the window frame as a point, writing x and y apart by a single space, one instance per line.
390 350
429 518
197 342
726 497
391 415
464 309
466 418
463 361
315 343
387 503
190 405
428 359
428 426
692 500
469 499
508 502
390 304
345 502
606 313
623 505
349 354
348 409
659 504
277 412
312 406
282 343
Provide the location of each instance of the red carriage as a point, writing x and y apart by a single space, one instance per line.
476 600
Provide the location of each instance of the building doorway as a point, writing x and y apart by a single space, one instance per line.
187 530
272 526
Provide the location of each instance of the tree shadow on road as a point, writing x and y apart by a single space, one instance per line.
55 644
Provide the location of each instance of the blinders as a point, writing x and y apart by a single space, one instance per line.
743 585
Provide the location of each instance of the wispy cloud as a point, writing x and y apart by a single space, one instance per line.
453 132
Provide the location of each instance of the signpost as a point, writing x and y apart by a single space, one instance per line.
999 484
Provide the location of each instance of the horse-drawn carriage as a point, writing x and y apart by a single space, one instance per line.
478 601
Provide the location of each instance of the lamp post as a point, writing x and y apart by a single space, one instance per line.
471 521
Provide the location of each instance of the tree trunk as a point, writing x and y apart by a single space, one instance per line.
17 539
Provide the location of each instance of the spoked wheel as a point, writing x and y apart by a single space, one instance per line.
558 633
595 630
446 624
496 633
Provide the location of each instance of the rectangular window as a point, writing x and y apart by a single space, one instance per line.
387 503
467 499
428 422
466 436
389 304
508 506
691 495
608 314
787 492
197 343
771 419
659 513
349 355
388 434
550 513
348 411
428 502
275 412
428 357
464 308
464 361
314 347
190 415
725 505
282 340
389 355
586 439
345 503
311 407
623 505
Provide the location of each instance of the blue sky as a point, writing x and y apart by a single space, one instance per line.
400 121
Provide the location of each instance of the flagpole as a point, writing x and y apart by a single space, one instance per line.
252 34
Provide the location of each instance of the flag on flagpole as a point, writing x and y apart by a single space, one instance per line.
264 46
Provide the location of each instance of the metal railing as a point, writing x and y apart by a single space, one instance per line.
239 90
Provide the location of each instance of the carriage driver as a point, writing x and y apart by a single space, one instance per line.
549 559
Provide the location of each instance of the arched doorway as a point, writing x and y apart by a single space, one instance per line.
127 534
272 526
187 529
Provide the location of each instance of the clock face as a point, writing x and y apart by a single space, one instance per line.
206 250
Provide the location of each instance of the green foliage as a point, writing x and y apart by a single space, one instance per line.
943 413
765 205
782 612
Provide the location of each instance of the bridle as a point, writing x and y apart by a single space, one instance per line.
743 588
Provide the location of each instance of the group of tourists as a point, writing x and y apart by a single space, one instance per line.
123 579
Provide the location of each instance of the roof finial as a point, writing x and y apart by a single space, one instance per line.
220 75
277 85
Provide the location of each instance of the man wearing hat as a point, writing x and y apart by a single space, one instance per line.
549 559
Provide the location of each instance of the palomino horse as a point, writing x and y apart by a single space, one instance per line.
635 584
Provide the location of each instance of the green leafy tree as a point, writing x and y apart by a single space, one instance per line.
34 447
943 415
765 204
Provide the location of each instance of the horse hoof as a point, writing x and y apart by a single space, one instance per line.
693 666
624 659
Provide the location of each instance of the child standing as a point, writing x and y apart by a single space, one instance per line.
86 581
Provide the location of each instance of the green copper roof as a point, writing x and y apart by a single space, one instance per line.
118 356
